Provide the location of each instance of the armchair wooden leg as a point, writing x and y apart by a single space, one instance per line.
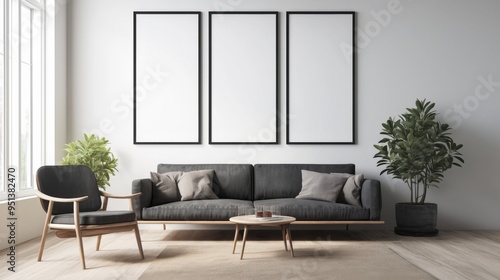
98 244
42 242
139 242
80 245
45 230
78 231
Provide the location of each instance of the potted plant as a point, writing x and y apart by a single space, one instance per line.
93 152
417 149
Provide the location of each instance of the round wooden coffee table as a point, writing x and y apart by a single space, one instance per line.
247 221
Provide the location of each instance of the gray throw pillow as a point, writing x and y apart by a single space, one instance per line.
166 187
196 185
321 186
351 193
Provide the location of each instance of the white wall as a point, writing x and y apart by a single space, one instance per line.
439 50
29 223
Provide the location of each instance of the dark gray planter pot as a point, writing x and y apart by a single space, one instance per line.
416 219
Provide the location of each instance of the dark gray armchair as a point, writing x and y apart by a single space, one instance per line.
70 196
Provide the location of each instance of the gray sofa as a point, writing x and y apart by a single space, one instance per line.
242 187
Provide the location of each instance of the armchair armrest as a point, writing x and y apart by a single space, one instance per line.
371 198
127 196
51 199
105 194
59 199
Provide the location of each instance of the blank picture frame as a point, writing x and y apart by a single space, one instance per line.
243 77
167 77
320 77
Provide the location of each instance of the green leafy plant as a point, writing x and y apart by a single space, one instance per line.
417 149
92 151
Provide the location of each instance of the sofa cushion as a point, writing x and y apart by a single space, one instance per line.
232 181
285 180
198 210
166 187
351 192
195 185
321 186
314 210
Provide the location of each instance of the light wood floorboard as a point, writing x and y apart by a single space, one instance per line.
450 255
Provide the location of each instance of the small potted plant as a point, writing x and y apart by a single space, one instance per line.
92 151
417 149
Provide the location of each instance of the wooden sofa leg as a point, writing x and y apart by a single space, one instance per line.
346 227
164 226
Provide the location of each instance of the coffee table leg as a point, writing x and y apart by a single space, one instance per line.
283 232
290 239
236 236
244 241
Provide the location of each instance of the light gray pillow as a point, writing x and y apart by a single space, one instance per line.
196 185
351 193
321 186
166 187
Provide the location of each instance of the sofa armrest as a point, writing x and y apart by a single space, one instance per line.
371 198
144 186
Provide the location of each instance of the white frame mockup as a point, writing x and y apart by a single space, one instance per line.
243 77
167 77
320 78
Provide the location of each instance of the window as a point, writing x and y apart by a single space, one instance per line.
22 92
2 99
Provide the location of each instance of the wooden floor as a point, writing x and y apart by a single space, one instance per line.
450 255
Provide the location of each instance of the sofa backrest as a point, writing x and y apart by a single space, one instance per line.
285 180
233 181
